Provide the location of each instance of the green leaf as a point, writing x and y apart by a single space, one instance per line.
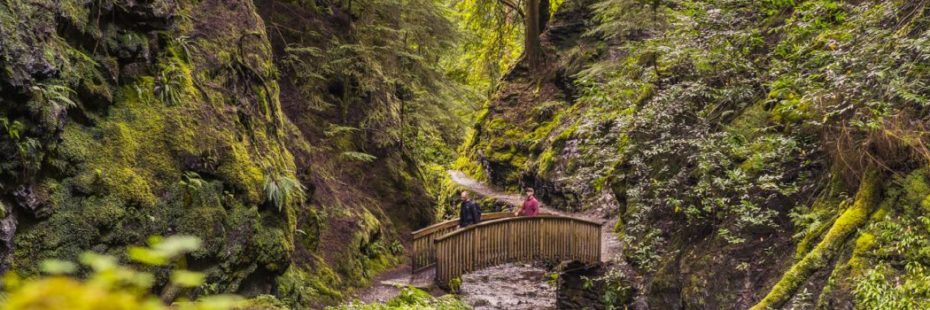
98 262
57 267
359 156
185 278
147 256
177 245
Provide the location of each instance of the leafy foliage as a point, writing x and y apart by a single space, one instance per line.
51 101
389 65
283 190
492 41
110 285
27 148
170 84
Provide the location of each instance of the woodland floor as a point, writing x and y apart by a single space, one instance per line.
510 286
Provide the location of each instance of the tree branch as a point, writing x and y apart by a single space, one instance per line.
514 7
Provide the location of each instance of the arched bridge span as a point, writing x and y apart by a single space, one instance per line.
504 240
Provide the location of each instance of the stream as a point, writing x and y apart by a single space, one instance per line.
508 286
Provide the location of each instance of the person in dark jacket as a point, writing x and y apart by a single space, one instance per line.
470 212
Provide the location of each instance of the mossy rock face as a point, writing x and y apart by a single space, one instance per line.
147 147
715 158
125 119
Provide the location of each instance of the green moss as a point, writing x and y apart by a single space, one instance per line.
751 120
917 189
77 143
822 213
176 83
545 161
299 287
272 249
101 211
240 170
266 302
129 160
864 244
567 133
812 235
866 200
203 214
369 250
470 167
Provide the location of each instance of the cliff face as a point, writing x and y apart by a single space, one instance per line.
128 119
754 152
125 120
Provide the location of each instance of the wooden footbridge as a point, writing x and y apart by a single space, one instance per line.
504 238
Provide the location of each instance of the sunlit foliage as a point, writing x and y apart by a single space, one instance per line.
102 282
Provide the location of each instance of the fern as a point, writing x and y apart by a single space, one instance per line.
282 190
359 156
13 129
192 181
186 46
51 101
170 84
335 130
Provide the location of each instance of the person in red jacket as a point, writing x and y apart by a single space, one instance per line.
530 206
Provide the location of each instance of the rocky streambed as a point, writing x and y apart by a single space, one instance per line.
509 286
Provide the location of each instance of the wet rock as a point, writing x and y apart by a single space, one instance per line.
33 201
7 232
509 286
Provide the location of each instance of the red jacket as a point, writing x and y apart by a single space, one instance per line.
530 207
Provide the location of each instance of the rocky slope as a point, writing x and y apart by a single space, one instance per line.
768 154
127 119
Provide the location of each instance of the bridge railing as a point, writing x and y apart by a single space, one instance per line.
423 251
516 239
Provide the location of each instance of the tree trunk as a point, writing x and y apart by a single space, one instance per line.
534 24
543 14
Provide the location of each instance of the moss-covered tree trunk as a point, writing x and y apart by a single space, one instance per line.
850 220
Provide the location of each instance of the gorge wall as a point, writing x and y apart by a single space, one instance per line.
127 119
767 154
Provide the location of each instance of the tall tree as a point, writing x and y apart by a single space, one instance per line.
499 18
535 20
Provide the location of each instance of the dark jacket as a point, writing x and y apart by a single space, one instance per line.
469 213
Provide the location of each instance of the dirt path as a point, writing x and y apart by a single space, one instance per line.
388 284
483 190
